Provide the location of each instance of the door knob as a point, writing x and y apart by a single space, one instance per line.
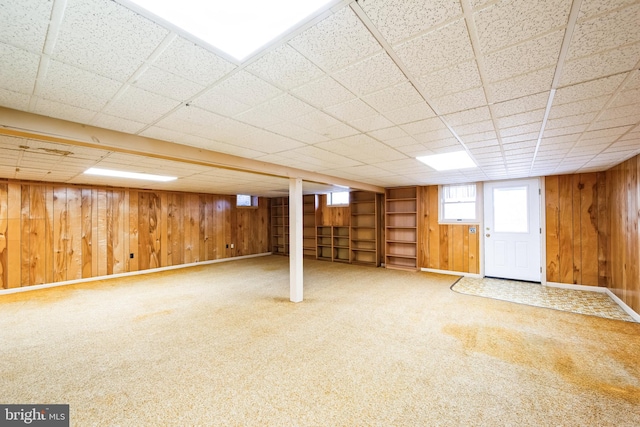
488 235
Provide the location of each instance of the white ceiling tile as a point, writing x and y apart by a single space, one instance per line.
586 90
480 136
115 50
15 100
76 87
474 115
528 84
270 142
437 138
401 19
24 23
422 126
460 101
567 121
393 98
401 142
316 121
192 62
565 130
371 123
607 133
520 137
472 128
296 132
380 72
614 123
337 41
535 116
167 84
59 110
361 147
339 130
600 65
524 58
286 107
578 107
324 92
285 67
258 118
18 69
389 133
458 78
411 113
520 105
633 82
519 130
612 112
351 110
140 105
247 89
555 141
116 123
219 103
438 49
496 23
325 159
621 27
626 97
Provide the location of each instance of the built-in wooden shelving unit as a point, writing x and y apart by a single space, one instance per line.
401 228
333 243
365 231
280 225
309 206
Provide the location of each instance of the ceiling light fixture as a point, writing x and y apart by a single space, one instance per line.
238 28
130 175
448 161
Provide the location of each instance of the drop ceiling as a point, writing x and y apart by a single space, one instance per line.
527 88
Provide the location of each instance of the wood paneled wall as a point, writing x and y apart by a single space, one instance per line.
332 215
444 246
577 229
623 192
51 233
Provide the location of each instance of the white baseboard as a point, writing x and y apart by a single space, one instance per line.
602 290
452 273
131 273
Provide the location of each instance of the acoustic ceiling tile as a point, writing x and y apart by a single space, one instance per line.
567 121
371 123
422 126
621 28
393 98
117 123
450 80
524 58
496 23
441 48
627 97
520 105
167 84
286 107
192 62
578 107
400 19
528 84
337 41
140 105
520 137
76 87
480 136
258 118
18 69
615 123
351 110
339 130
59 110
269 142
411 113
564 130
219 103
473 128
534 116
519 130
586 90
325 159
388 134
460 101
115 50
603 64
473 115
370 75
170 135
247 89
435 138
24 23
15 100
324 92
630 110
285 68
296 132
606 133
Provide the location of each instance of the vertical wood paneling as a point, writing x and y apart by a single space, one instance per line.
4 226
194 223
102 233
211 227
74 214
134 231
37 234
14 235
576 238
444 247
604 270
202 206
95 252
552 215
589 229
474 254
48 240
125 232
60 234
87 232
25 229
434 228
565 232
163 229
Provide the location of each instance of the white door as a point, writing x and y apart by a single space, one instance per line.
512 229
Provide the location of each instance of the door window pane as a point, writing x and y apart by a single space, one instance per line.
511 210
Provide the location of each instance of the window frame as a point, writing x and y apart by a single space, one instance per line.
465 221
254 202
338 205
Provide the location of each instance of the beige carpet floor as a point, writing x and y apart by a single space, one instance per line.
221 345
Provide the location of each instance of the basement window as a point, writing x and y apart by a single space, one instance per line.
459 204
339 198
246 201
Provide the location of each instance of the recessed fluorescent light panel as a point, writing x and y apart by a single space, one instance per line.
237 28
130 175
448 161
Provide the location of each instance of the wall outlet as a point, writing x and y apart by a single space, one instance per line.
131 256
227 246
232 246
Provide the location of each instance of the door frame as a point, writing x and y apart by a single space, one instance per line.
543 227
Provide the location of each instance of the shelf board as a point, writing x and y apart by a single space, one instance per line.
402 213
401 227
401 256
403 199
363 250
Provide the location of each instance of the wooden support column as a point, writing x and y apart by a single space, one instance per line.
295 236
